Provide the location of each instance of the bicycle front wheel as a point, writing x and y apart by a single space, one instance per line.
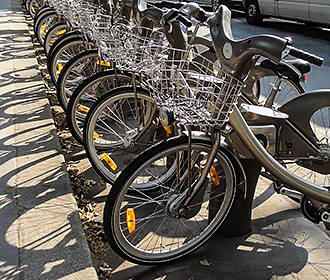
76 70
139 225
87 93
118 121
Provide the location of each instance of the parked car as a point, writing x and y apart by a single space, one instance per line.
309 11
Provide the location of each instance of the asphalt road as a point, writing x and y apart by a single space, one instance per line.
312 39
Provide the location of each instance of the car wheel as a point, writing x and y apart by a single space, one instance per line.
252 12
217 3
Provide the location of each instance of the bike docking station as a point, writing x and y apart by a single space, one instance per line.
239 219
263 122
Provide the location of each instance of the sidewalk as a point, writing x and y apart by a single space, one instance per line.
283 246
41 236
40 232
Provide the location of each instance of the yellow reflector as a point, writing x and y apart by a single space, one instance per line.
59 67
166 127
52 41
43 29
109 161
214 176
103 63
86 110
60 32
33 9
130 220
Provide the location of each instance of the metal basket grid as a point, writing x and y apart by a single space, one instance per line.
195 89
78 14
90 13
100 24
61 6
132 48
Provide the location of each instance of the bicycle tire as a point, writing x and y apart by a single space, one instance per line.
27 6
116 144
73 105
58 56
34 6
52 35
40 34
68 35
40 11
89 56
111 215
39 17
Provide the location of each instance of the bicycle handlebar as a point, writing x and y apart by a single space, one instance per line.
305 56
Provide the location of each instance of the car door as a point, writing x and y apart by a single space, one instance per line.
293 9
320 11
267 7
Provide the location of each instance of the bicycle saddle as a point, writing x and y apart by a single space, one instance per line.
301 65
143 13
169 4
238 54
193 10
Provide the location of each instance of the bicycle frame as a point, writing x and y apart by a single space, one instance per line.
260 153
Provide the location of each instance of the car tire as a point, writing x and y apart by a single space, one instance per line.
217 3
252 12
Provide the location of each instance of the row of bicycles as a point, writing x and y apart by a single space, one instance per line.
167 115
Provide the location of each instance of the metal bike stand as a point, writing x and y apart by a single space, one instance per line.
238 221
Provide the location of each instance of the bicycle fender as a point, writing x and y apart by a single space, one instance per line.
301 108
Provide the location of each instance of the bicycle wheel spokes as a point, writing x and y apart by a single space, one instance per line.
80 72
287 91
118 122
156 232
66 54
320 125
88 93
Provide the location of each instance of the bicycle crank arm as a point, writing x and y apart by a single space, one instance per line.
325 217
290 193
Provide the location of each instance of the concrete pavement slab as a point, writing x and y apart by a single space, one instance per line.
283 245
41 236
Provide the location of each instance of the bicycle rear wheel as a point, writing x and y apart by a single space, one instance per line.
315 171
139 226
288 90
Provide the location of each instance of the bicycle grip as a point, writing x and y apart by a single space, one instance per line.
202 16
306 56
184 20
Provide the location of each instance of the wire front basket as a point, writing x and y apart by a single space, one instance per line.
131 48
196 90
